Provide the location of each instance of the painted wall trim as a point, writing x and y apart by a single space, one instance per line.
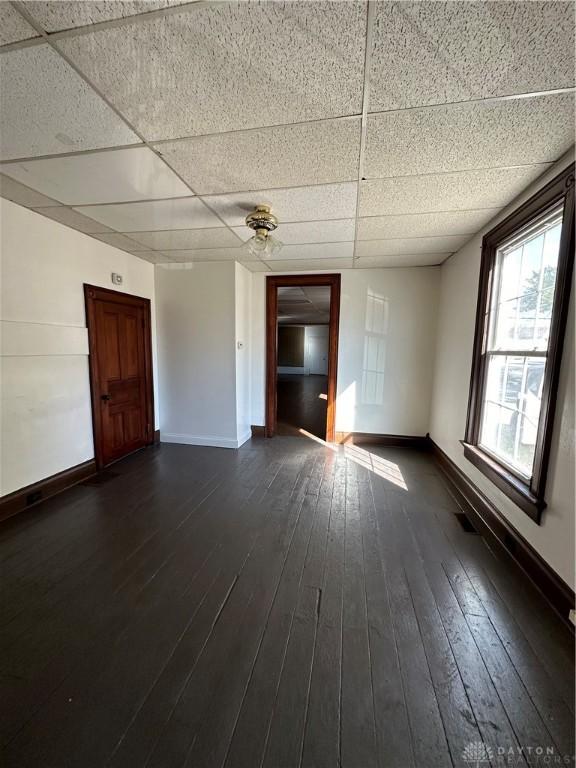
296 371
488 520
369 438
209 441
245 437
33 494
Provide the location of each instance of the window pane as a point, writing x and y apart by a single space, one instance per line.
512 409
524 290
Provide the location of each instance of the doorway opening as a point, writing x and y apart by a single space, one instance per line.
120 362
302 315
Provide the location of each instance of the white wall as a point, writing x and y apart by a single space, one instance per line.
386 349
196 315
554 538
243 351
46 420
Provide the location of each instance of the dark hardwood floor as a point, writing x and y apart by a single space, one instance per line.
283 605
301 404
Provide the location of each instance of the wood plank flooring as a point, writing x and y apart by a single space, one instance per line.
284 605
301 404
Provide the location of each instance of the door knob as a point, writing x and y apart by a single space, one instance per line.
106 397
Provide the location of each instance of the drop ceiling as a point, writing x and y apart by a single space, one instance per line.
383 134
304 305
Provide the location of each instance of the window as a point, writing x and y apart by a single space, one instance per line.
523 300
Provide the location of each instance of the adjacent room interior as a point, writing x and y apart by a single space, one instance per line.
302 382
302 328
287 368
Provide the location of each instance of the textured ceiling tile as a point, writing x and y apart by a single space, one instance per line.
183 213
187 238
100 177
407 260
13 27
444 192
154 257
73 219
256 266
225 66
316 251
341 230
465 136
423 224
176 266
119 241
329 201
286 156
47 108
319 295
288 252
21 194
438 52
411 245
304 318
206 254
54 16
303 265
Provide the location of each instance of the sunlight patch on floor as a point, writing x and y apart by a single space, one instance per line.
384 468
318 440
381 467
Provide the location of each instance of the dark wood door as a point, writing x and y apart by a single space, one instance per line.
119 337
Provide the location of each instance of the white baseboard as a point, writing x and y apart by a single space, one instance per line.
210 441
244 439
294 370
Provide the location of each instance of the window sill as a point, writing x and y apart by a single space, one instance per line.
507 482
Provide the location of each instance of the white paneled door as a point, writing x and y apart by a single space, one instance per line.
316 349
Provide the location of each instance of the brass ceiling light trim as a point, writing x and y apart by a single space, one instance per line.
262 218
262 221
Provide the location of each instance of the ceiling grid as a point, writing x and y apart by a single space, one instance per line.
364 123
460 124
20 7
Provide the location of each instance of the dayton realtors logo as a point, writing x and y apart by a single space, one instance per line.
479 755
476 753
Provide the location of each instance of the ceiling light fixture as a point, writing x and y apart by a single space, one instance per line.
262 245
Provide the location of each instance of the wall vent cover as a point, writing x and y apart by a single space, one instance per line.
465 523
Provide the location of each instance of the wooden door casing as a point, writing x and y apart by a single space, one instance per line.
273 282
119 334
